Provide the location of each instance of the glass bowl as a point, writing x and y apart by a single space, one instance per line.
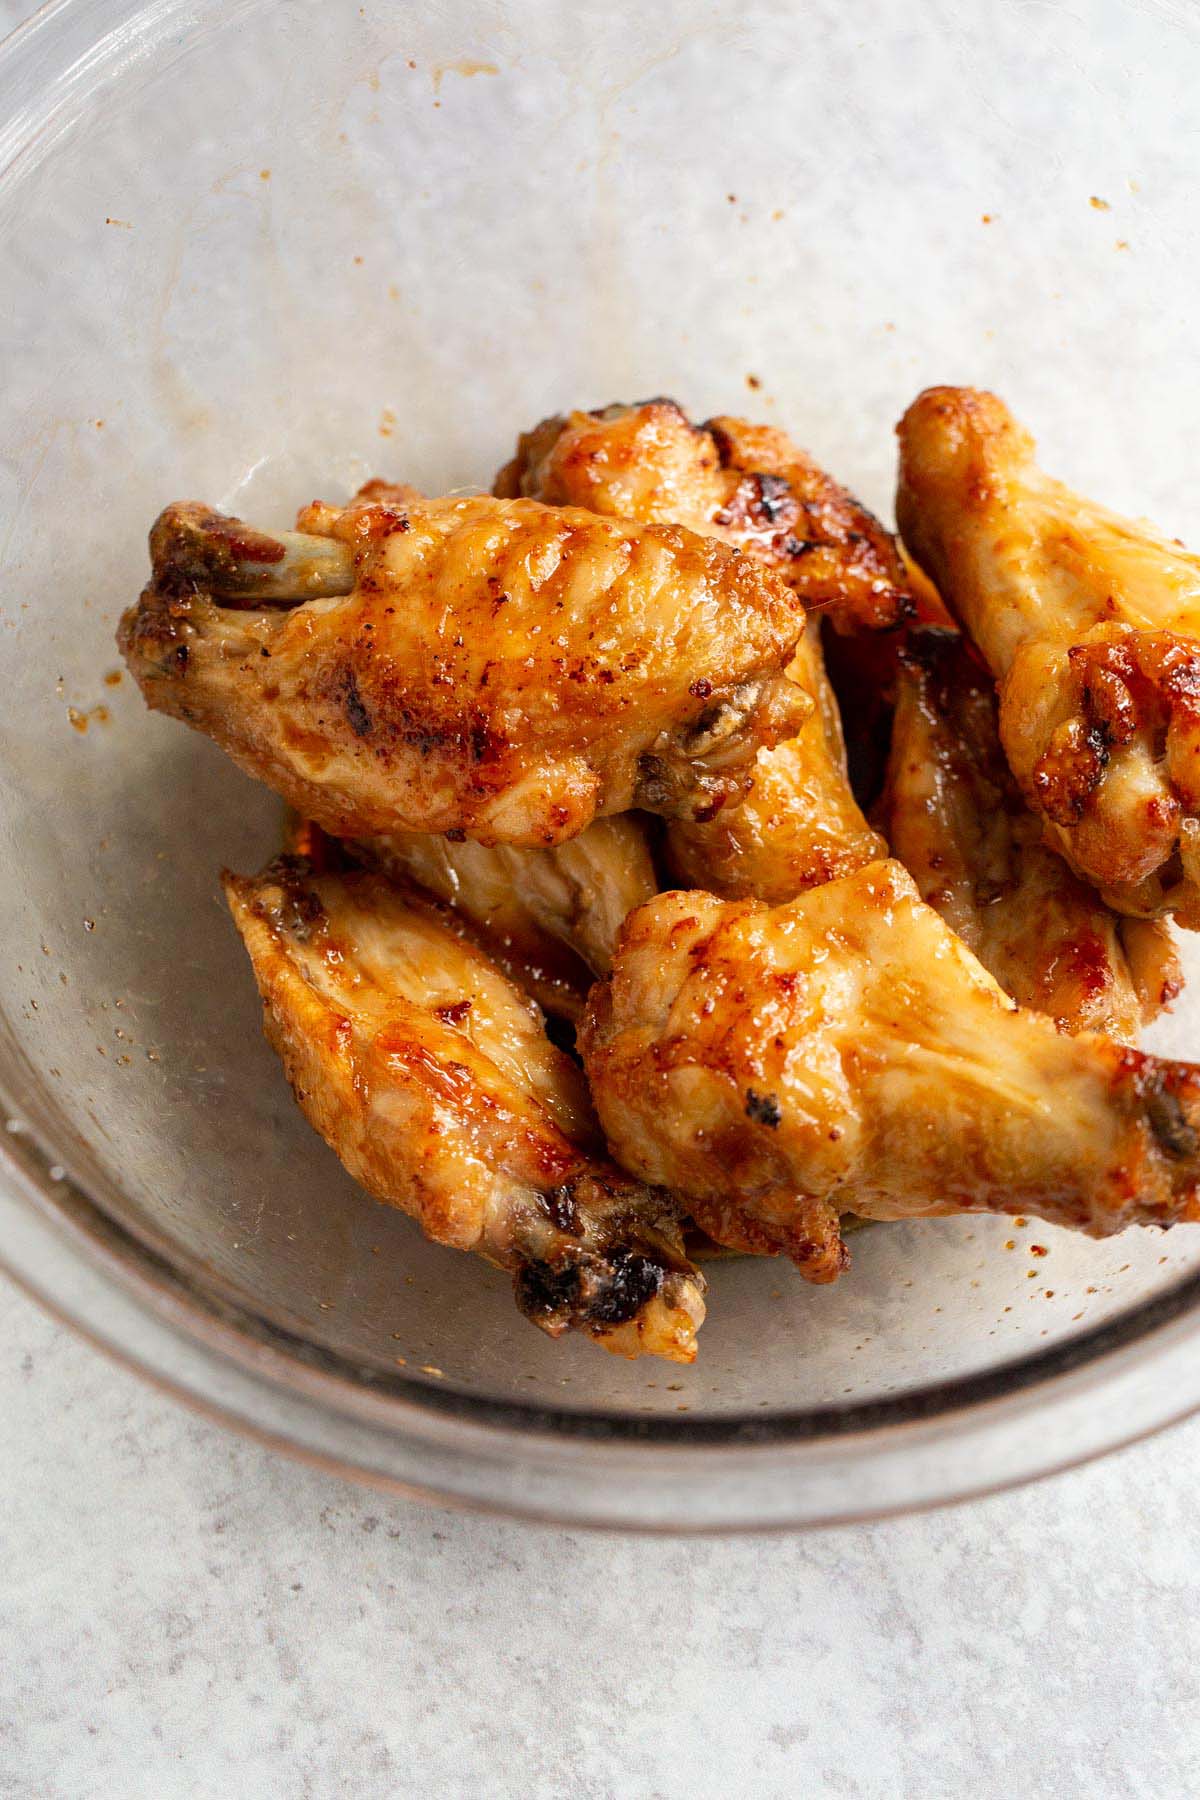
256 253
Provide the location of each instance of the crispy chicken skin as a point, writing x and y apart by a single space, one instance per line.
799 823
432 1078
1090 623
956 819
550 917
498 668
775 1065
748 484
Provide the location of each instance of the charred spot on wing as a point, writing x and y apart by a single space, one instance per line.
763 1109
1173 1132
722 441
195 549
547 1295
1069 771
588 1288
562 1208
759 503
633 1280
355 708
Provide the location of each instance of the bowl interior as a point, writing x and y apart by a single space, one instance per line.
254 254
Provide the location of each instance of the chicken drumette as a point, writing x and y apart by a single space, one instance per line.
433 1079
1090 623
775 1066
500 669
956 819
749 485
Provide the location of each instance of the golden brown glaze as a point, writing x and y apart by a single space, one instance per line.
550 917
747 484
956 819
1090 623
498 668
776 1065
799 823
432 1078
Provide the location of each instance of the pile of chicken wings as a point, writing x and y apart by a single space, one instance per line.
676 858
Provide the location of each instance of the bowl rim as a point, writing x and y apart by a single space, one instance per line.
944 1442
953 1439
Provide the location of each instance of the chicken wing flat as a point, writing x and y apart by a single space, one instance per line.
775 1065
432 1078
799 823
497 668
550 917
1089 622
956 819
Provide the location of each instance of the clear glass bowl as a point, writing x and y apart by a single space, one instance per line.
254 253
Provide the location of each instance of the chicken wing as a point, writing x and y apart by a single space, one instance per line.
955 818
550 917
799 823
774 1065
432 1078
496 668
748 484
1090 624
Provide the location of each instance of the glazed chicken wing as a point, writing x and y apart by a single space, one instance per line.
955 818
747 484
496 668
799 823
550 917
776 1065
432 1078
1090 623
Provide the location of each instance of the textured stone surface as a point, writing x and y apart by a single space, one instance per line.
183 1614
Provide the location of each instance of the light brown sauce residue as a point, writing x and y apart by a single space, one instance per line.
114 678
466 67
97 715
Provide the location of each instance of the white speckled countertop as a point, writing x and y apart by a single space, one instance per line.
186 1614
